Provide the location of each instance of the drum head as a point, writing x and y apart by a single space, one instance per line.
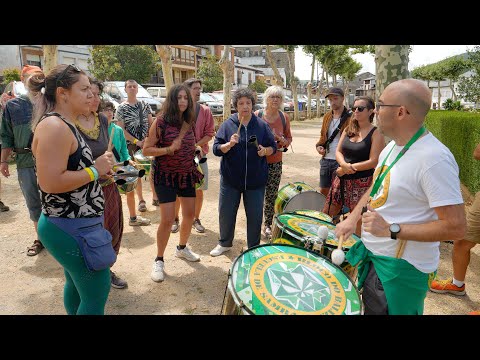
285 280
312 200
314 214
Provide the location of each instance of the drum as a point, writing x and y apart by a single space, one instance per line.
286 280
298 196
131 181
143 162
301 231
313 214
199 168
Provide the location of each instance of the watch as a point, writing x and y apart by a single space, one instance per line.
394 230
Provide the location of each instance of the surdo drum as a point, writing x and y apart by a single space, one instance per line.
298 196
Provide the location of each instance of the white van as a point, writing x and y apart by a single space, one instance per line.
158 92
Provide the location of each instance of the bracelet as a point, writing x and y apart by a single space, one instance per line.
135 141
90 173
95 172
168 150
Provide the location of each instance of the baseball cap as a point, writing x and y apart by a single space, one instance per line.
28 69
335 91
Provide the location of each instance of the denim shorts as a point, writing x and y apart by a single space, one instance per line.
327 172
28 184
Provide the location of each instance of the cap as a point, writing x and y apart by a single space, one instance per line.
335 91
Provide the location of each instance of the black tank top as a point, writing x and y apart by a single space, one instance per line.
355 152
87 200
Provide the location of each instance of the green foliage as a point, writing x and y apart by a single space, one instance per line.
449 104
259 86
211 74
10 75
460 132
122 62
469 88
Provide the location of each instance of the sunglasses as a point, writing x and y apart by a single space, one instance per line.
359 108
64 72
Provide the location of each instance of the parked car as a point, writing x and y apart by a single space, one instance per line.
215 106
287 104
116 89
158 92
259 102
12 90
219 96
106 97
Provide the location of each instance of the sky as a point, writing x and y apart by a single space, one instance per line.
421 55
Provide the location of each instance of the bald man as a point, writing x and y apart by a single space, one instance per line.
414 203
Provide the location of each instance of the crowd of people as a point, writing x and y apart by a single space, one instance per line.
402 198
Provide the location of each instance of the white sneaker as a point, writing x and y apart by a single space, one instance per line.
158 273
187 254
139 221
219 250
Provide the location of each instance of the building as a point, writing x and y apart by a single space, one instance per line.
16 56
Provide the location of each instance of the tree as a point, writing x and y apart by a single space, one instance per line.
453 68
348 72
312 50
227 67
278 78
293 80
211 74
391 63
165 53
50 57
122 62
259 86
10 75
469 87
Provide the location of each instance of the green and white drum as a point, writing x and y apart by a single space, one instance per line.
301 230
143 162
298 196
285 280
313 214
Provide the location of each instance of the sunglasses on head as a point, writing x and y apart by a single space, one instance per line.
64 72
359 108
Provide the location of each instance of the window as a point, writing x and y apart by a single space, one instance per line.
184 76
34 60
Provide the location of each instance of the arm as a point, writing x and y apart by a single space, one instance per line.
123 150
288 134
345 168
378 143
7 142
323 137
53 143
209 128
270 145
451 225
220 145
150 148
476 152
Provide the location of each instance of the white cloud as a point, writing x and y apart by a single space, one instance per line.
421 55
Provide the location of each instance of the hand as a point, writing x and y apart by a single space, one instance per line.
347 168
201 154
374 223
176 145
140 143
340 171
234 140
262 151
4 169
133 163
321 150
104 163
346 228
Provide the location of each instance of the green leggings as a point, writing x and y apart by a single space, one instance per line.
85 292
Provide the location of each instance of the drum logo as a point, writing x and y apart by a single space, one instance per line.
294 284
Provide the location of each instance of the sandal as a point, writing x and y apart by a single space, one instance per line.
35 248
142 206
156 202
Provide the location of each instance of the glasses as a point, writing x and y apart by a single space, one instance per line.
359 108
275 97
64 72
378 106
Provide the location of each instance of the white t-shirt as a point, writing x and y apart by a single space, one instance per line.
333 145
425 177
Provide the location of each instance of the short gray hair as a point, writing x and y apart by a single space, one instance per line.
274 90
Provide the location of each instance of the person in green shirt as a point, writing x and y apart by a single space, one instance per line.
16 133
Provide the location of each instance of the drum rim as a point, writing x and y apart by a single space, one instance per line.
245 308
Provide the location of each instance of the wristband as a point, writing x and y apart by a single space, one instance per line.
95 172
135 142
90 173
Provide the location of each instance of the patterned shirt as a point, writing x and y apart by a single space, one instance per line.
86 201
136 122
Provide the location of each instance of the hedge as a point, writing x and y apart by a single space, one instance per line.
460 132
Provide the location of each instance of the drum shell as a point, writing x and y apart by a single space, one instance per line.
298 195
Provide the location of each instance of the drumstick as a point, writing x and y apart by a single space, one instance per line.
109 148
400 248
239 125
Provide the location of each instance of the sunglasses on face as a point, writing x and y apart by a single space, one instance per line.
359 108
64 72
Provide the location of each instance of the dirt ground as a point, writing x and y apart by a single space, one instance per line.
34 285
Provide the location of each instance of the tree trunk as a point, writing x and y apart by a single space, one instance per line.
50 59
325 104
165 53
319 92
309 90
227 67
278 78
334 79
439 96
453 90
293 83
391 63
347 95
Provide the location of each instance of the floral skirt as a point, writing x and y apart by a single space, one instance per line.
353 190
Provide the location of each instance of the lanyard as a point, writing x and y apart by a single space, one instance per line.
381 175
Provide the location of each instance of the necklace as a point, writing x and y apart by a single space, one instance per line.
91 133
